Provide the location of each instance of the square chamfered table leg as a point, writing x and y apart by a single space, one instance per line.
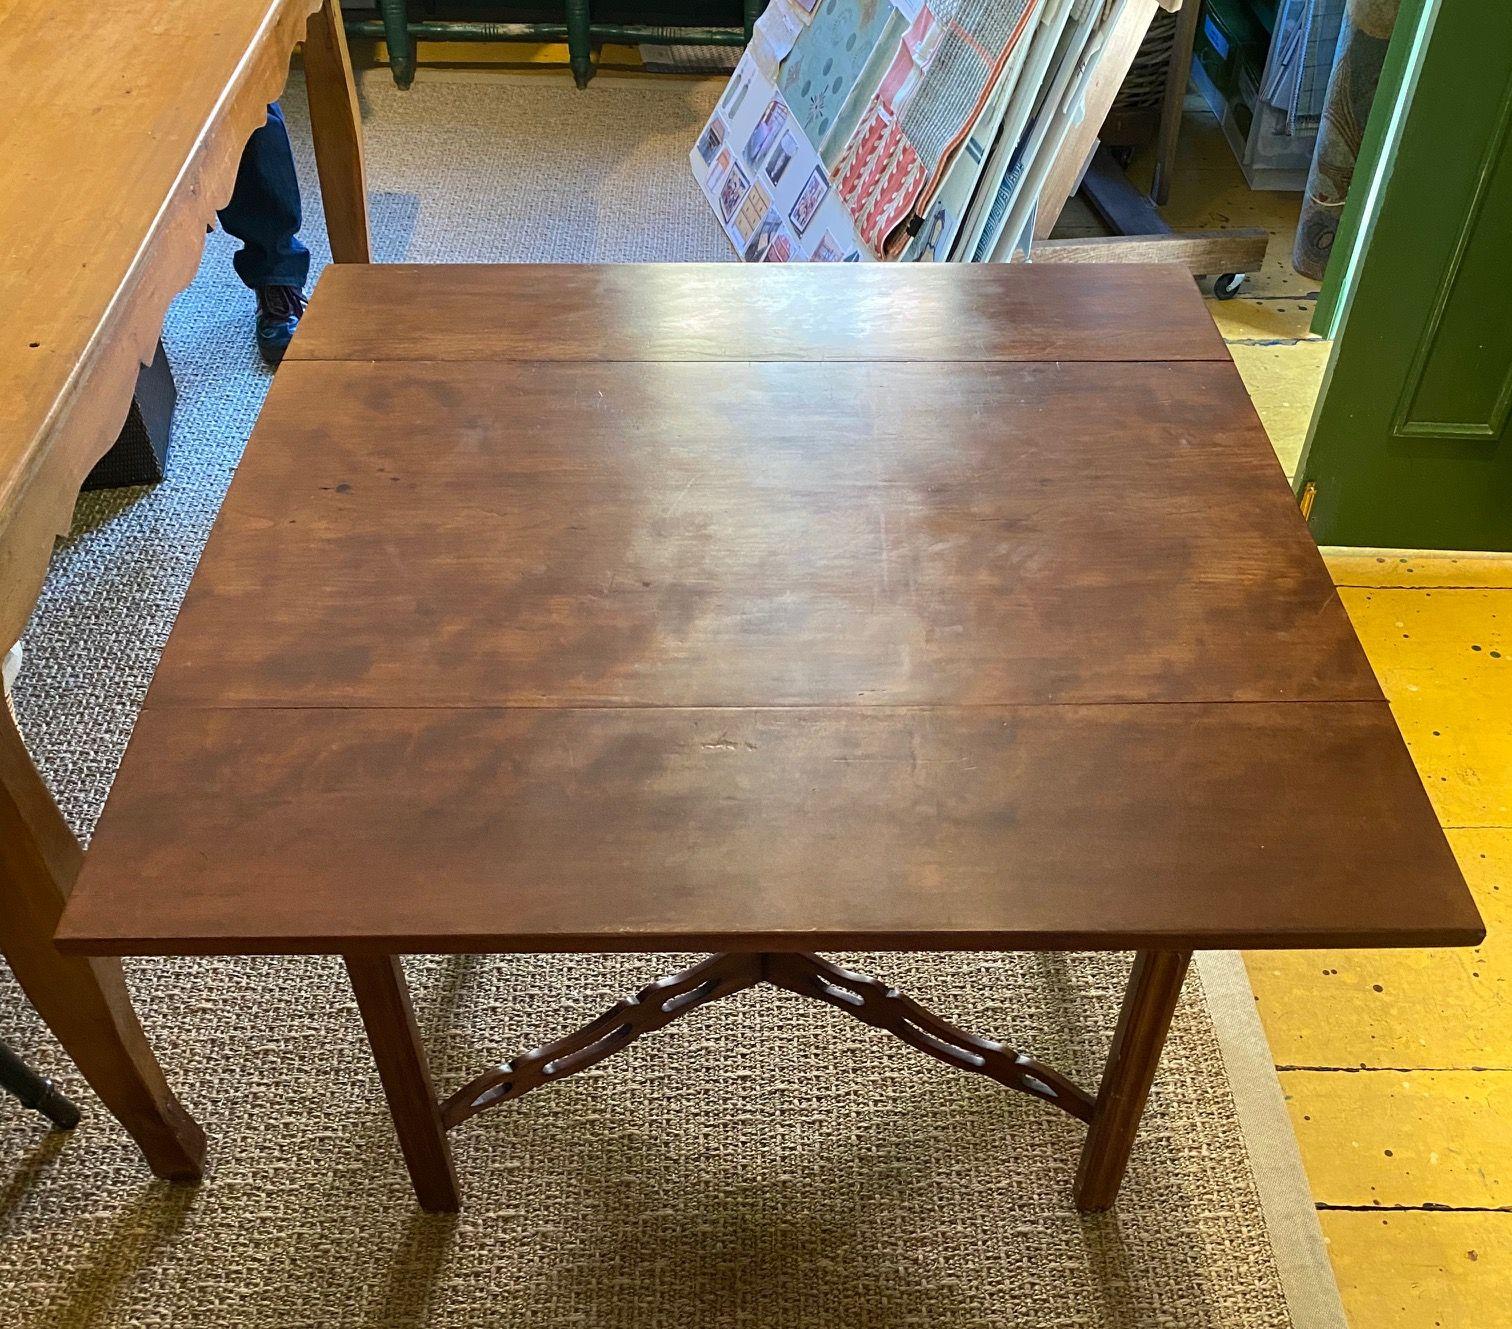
1149 1002
383 999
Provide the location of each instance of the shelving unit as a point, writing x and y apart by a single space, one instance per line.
1238 45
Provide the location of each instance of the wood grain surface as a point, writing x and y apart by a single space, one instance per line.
699 534
656 828
119 140
803 312
336 124
760 655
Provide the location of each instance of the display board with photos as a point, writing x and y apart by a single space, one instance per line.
765 180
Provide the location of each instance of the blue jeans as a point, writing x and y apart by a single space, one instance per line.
264 210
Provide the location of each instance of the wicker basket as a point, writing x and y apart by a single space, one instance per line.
1136 109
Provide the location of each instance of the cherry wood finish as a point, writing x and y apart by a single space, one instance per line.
884 1007
957 607
635 828
660 1003
654 1007
834 534
799 312
120 134
1143 1023
383 1000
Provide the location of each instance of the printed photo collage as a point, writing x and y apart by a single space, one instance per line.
765 181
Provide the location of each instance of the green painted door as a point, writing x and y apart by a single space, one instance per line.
1409 445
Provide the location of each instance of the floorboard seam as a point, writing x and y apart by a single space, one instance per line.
1402 1070
1412 1208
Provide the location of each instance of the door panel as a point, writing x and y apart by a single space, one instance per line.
1460 381
1409 444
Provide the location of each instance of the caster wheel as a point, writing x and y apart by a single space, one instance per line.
1227 286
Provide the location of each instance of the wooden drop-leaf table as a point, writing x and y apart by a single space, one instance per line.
762 611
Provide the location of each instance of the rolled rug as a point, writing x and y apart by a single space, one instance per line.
1363 39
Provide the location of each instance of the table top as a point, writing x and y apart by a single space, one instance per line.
120 129
661 608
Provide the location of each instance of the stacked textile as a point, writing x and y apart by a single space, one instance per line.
897 129
1302 55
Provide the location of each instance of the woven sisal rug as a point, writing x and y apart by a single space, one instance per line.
765 1163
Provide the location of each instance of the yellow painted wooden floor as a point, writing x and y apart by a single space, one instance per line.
1397 1065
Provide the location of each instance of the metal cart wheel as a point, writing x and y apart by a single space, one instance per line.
1226 286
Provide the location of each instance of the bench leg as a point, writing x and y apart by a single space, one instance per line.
336 126
83 1001
396 36
1149 1003
383 999
579 45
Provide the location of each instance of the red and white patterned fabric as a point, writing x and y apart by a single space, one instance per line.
880 175
945 65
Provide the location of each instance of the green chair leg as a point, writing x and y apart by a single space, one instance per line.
396 36
579 50
753 10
